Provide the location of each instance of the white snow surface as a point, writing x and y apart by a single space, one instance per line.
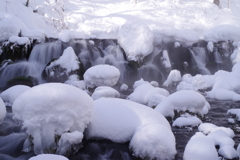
3 110
154 141
101 75
144 92
182 20
200 147
68 61
19 40
117 119
227 87
48 157
11 94
235 112
174 77
51 109
136 39
186 121
228 152
182 101
105 91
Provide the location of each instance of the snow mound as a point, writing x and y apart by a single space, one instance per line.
136 39
105 91
153 141
227 87
143 92
228 152
101 75
174 78
154 100
200 147
48 157
234 112
117 119
68 140
185 100
124 87
19 40
3 111
186 120
11 94
49 110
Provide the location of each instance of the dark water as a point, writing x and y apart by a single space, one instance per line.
12 138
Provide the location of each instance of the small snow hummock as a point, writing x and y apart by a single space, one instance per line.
121 120
144 91
3 111
48 157
105 91
200 147
153 141
19 40
186 120
49 110
10 94
174 78
182 101
228 152
101 75
124 87
234 112
136 39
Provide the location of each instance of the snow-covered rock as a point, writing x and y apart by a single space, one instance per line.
200 147
11 94
105 91
48 157
153 141
19 40
101 75
143 92
117 119
3 111
136 39
63 67
235 112
174 78
186 121
228 152
49 110
185 100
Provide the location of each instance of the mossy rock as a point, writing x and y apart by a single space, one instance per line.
22 80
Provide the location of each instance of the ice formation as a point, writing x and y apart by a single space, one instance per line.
49 110
101 75
11 94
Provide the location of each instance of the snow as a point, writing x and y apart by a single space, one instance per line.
174 78
67 140
227 87
101 75
136 39
12 93
234 112
105 91
68 61
200 147
3 111
117 119
186 120
154 141
143 92
228 152
48 157
124 87
182 101
51 109
19 40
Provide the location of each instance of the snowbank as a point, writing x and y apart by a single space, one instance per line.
11 94
227 87
121 121
101 75
48 157
136 39
182 101
200 147
3 111
145 91
153 141
105 91
49 110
